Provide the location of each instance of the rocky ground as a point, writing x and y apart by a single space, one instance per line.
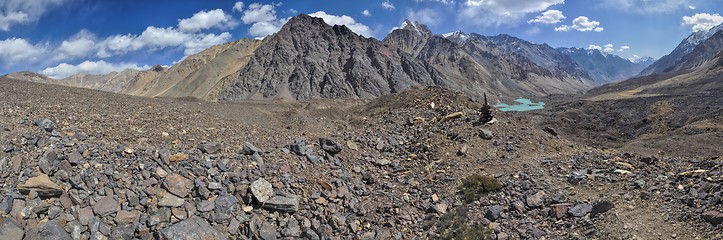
80 164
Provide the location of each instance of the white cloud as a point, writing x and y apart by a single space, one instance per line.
691 7
352 24
206 20
200 43
582 24
447 2
594 47
366 13
548 17
646 6
79 45
608 48
623 48
17 50
388 5
238 6
259 13
498 12
426 16
64 70
702 21
562 28
20 12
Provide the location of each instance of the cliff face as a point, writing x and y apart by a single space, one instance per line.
309 59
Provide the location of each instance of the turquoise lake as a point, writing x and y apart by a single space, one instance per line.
524 105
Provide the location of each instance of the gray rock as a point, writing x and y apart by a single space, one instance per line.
493 212
268 231
262 190
210 148
283 203
535 200
577 177
106 206
329 146
486 134
550 130
580 210
250 149
6 205
292 229
166 199
225 206
11 229
75 158
124 232
45 124
601 206
52 230
127 217
713 217
84 215
205 206
191 228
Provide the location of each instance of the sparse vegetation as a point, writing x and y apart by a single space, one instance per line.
475 185
454 225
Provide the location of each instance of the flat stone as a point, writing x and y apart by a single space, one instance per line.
106 206
52 230
268 231
191 228
178 157
45 124
84 215
42 185
283 203
205 206
713 217
210 148
535 200
250 149
166 199
10 229
262 190
580 210
440 208
75 158
178 185
127 217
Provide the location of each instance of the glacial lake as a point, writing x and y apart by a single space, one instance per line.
524 104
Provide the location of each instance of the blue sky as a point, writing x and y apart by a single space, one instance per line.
63 37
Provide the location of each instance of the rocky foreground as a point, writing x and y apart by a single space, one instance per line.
79 164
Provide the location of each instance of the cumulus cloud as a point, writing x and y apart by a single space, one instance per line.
548 17
646 6
80 45
498 12
426 16
206 20
702 21
259 13
608 48
582 24
238 6
388 5
366 13
154 38
623 48
352 24
18 50
20 12
64 70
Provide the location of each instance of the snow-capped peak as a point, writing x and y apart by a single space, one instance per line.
700 36
457 36
409 25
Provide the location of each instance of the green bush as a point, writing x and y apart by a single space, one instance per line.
475 185
454 226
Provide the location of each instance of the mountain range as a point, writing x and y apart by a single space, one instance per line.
309 59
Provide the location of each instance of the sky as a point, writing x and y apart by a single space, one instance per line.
63 37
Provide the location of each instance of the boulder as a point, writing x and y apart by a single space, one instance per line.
42 185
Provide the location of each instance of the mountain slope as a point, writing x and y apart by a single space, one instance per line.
668 62
309 59
204 74
125 82
476 64
602 67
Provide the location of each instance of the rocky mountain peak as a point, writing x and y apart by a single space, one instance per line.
456 36
420 29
